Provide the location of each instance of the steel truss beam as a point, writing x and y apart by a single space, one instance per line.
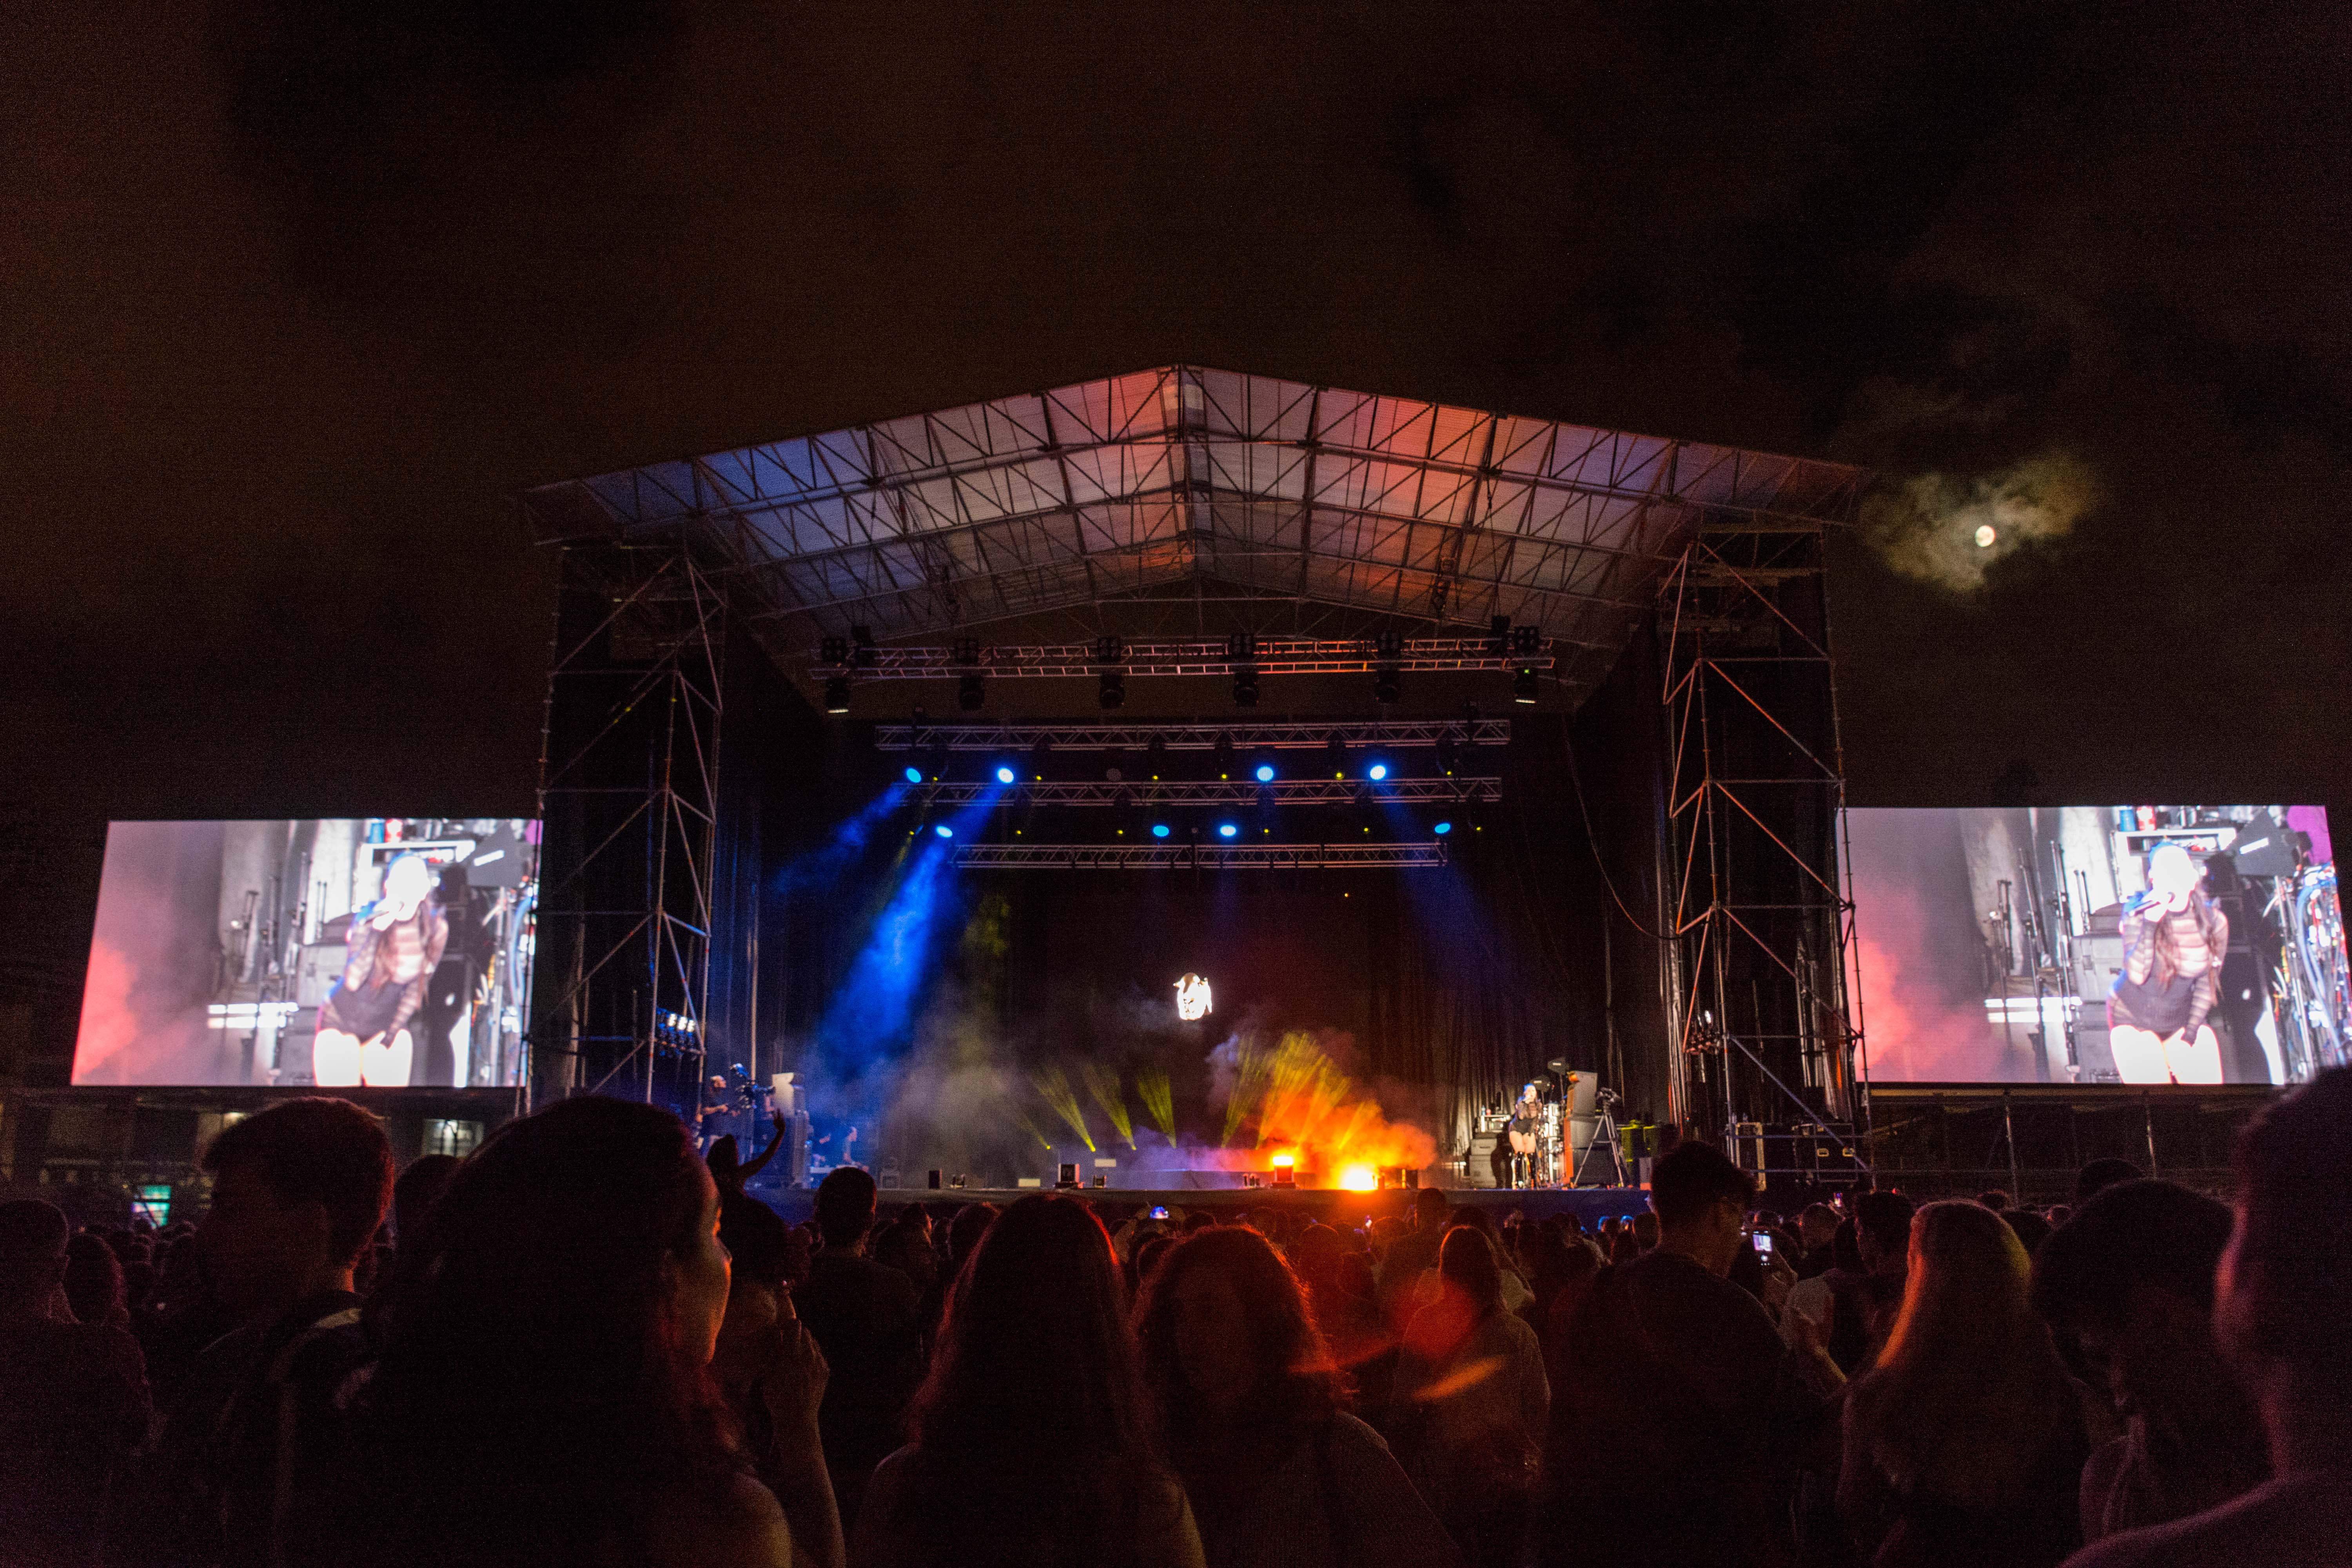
1274 656
1191 737
628 803
1757 972
1233 793
1205 857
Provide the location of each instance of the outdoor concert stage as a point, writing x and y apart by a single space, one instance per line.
1333 1206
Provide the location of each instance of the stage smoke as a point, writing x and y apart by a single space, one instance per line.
1296 1098
1949 529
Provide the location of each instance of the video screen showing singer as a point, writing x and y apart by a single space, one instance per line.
394 945
2175 937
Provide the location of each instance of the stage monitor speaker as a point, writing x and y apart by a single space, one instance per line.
1583 1092
1480 1165
2266 849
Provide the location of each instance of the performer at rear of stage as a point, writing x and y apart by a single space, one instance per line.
1527 1120
394 945
2175 938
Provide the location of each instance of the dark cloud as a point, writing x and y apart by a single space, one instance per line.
297 295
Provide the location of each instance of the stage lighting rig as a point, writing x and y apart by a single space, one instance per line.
832 651
1110 648
1377 772
1112 693
1335 755
1158 830
1442 828
1264 773
1155 752
864 653
1388 684
1221 755
1241 648
1004 773
1527 642
1524 687
1447 755
913 775
836 694
964 651
972 693
1498 636
1227 829
1245 686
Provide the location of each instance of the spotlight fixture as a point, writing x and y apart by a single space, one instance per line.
1390 646
1241 648
965 651
914 775
1523 684
1158 830
1377 772
1004 773
1442 828
1245 686
1498 636
836 695
971 692
833 650
1110 648
1155 754
1222 753
1526 641
1265 773
944 831
1388 685
863 653
1446 753
1226 829
1336 755
1113 691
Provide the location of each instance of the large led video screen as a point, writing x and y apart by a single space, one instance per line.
389 952
2107 945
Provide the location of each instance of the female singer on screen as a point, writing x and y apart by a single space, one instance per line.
395 944
1526 1116
2174 940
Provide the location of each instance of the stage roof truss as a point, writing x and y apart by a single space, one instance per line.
1274 500
1284 735
1274 656
1203 857
1239 794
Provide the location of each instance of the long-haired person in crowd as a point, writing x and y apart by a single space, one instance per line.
1965 1443
1249 1405
2279 1311
543 1394
1470 1403
1032 1437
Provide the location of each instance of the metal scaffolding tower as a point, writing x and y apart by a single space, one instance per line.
628 793
1757 969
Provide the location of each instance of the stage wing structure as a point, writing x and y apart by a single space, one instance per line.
1295 509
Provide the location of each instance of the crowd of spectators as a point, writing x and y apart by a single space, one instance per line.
588 1344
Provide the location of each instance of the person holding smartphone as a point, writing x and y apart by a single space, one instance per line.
2175 938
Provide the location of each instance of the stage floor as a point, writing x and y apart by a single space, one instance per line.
1590 1205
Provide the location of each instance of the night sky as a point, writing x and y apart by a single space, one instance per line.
295 295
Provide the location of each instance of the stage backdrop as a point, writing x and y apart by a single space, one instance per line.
217 943
1990 941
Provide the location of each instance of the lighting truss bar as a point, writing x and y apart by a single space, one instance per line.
1182 737
1230 791
1171 856
1276 655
